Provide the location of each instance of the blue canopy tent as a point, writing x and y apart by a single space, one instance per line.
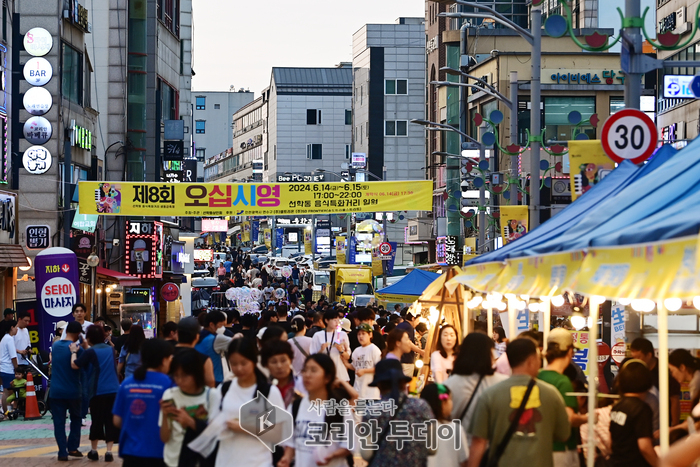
409 288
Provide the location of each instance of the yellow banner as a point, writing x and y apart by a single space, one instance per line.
268 238
377 266
307 242
589 165
514 222
539 275
469 250
340 254
246 199
245 231
654 271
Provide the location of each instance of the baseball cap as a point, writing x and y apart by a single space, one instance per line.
562 338
62 325
345 325
365 327
388 371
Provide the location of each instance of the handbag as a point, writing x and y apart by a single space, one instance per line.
471 398
500 449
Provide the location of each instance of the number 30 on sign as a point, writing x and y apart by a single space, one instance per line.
629 135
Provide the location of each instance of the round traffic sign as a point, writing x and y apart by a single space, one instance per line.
385 248
619 352
629 135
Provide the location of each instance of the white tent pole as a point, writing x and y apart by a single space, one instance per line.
489 318
594 307
662 316
512 316
546 320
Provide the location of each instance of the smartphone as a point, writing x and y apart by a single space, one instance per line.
169 401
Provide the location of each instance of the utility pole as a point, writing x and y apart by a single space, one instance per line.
535 114
386 234
514 134
632 41
482 194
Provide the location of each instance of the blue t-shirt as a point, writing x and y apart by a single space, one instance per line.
65 381
137 404
132 363
227 265
103 373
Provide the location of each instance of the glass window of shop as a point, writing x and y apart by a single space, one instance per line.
617 103
556 117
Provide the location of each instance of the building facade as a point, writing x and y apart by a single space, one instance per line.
213 117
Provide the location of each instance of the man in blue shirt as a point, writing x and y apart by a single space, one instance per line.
65 393
227 266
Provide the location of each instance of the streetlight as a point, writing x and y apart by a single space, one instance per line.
93 261
534 38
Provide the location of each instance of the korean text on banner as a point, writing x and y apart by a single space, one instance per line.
230 199
589 165
514 222
581 356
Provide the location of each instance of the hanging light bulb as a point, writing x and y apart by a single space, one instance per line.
578 321
497 296
673 304
98 290
475 301
509 296
637 304
597 299
643 305
525 297
434 313
624 301
696 302
558 300
520 305
419 364
108 289
650 305
534 307
501 306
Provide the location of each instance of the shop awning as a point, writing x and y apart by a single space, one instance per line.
13 256
409 288
123 279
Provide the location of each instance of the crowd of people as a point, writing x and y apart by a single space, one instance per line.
502 402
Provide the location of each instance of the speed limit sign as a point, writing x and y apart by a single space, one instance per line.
629 135
385 248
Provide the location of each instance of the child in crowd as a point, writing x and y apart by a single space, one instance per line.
364 358
185 409
136 407
20 382
440 401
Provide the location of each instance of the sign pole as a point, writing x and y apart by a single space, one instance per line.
632 39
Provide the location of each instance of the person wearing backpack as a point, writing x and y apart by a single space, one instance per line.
319 377
213 342
301 345
234 442
519 418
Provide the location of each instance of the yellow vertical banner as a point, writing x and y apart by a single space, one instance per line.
307 242
267 233
514 222
340 251
377 268
589 165
245 231
469 251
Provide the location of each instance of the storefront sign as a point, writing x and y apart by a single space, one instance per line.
170 292
214 225
453 255
678 87
562 76
440 250
84 272
37 101
254 231
38 237
38 42
514 222
189 170
80 137
173 150
173 176
144 249
56 279
7 217
37 71
79 16
359 160
299 177
85 222
187 199
203 255
37 160
82 243
37 130
178 257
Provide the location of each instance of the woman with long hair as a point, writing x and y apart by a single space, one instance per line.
472 374
301 345
130 355
397 344
319 375
442 360
499 338
145 388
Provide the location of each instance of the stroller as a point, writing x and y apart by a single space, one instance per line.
41 387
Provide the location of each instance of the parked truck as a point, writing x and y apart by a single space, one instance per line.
350 280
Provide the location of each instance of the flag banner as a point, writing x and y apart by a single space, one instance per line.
514 222
232 199
589 165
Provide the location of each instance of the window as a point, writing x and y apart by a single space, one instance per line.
168 11
616 104
217 106
347 151
200 127
313 117
88 83
201 103
396 128
201 154
348 117
72 74
314 151
556 113
396 86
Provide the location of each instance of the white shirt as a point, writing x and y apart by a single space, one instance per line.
7 353
366 358
21 343
447 454
307 456
242 446
86 325
332 338
439 365
299 357
202 404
